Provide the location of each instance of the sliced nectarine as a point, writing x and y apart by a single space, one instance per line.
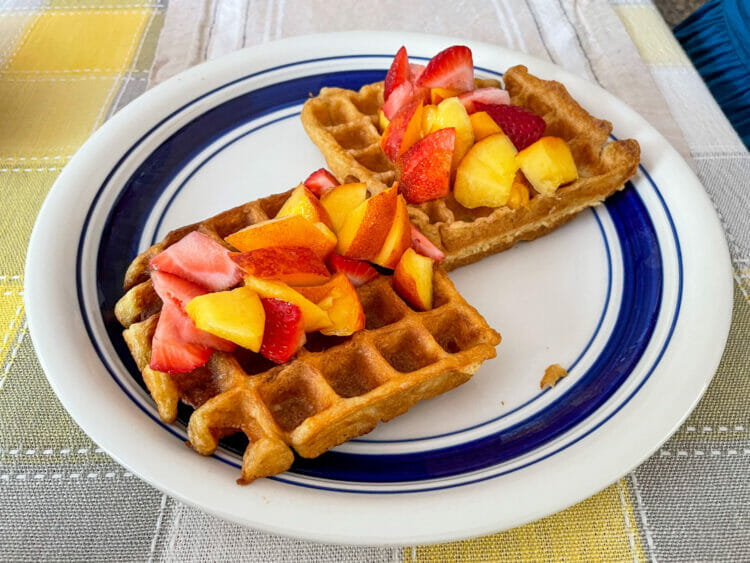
547 164
452 113
340 300
398 239
342 200
366 228
437 95
295 265
483 125
486 173
519 192
315 317
235 315
304 202
292 230
403 131
412 279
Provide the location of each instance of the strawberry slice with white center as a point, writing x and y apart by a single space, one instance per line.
400 96
199 259
416 71
320 182
398 73
425 169
358 271
522 126
284 331
424 246
170 352
495 96
452 68
179 292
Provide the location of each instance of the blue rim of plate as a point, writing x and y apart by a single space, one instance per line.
639 309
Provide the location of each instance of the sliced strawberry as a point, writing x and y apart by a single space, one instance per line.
401 96
358 271
170 352
495 96
284 330
199 259
179 292
320 181
520 124
416 71
424 246
398 73
452 68
425 169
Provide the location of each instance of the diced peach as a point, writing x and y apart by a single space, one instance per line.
339 299
547 164
292 230
429 117
342 200
437 95
483 125
304 202
295 265
235 315
315 317
451 113
403 131
366 228
519 192
412 279
485 175
398 239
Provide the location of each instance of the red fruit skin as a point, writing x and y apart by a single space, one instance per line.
398 73
170 353
522 126
451 68
490 96
358 271
391 143
176 291
401 95
416 71
284 331
425 169
320 181
199 259
424 246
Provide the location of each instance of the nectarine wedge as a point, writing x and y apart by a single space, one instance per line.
365 230
315 318
412 279
547 164
295 265
292 230
485 175
304 202
398 239
342 200
340 300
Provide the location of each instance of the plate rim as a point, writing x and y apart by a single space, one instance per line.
34 318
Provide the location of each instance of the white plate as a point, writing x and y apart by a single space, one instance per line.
634 297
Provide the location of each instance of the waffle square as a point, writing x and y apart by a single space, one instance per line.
343 124
337 388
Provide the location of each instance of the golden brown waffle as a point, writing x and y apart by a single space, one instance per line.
337 388
343 124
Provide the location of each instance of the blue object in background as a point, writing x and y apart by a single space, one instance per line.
716 37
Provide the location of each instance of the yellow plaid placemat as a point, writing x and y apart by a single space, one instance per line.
65 67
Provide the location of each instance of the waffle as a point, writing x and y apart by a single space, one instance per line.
343 124
336 389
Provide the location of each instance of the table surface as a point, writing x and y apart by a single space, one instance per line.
68 65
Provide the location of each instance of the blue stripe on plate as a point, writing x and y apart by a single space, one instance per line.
643 286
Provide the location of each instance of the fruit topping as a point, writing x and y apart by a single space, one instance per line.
398 239
199 259
450 113
341 201
398 74
483 125
292 230
303 202
403 131
425 169
485 175
547 164
170 352
320 181
490 96
424 246
295 265
284 331
412 279
367 227
235 315
340 300
519 192
358 271
451 68
314 317
522 125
